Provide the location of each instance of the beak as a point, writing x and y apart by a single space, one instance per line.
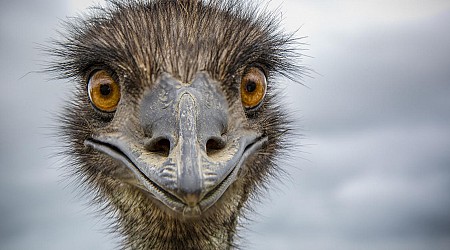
189 156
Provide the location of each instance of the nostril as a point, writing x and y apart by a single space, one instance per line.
159 146
214 145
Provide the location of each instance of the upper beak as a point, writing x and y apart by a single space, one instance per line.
189 155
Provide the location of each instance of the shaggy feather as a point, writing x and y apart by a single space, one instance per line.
136 41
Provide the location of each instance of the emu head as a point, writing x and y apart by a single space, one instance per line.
175 121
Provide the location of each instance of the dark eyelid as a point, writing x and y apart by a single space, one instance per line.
94 69
259 66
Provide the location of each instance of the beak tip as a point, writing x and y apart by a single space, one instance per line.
192 199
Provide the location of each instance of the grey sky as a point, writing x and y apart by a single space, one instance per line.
376 169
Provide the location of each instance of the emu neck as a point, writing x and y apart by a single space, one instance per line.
144 225
173 234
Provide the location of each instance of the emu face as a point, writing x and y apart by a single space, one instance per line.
175 122
178 140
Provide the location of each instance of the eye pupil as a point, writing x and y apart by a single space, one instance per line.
105 89
250 86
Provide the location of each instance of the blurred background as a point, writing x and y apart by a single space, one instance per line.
375 167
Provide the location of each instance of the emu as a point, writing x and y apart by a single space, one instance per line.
176 122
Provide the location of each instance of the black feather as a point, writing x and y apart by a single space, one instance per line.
137 40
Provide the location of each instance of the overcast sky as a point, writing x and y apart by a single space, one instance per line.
375 172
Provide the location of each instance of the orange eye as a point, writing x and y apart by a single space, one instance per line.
253 88
104 92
